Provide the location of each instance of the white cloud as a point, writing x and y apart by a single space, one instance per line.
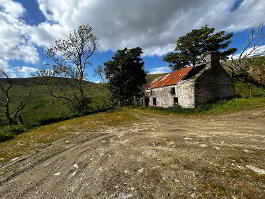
25 71
158 70
3 64
152 25
45 33
27 53
159 51
12 8
13 72
13 38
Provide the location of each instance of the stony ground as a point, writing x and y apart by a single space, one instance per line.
156 157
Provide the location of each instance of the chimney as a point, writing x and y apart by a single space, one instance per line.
212 58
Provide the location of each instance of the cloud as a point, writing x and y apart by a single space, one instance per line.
3 64
12 8
6 68
14 41
45 33
152 25
25 71
14 72
159 70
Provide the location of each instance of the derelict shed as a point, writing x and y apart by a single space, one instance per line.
191 86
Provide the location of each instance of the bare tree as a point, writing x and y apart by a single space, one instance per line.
254 47
6 84
64 77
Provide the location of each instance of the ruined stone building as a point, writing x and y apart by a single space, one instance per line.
190 86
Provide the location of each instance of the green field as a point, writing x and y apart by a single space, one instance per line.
42 108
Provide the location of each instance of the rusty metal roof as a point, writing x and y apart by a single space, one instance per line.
169 79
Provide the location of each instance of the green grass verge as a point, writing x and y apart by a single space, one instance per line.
220 107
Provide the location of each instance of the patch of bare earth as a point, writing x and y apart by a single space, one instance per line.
156 157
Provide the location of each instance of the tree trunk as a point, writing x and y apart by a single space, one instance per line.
7 113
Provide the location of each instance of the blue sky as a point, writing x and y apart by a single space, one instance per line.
29 26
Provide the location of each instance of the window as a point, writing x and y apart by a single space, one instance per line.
175 100
173 91
154 101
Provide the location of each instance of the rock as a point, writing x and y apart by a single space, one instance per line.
123 195
216 147
256 169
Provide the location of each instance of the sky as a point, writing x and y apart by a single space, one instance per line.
30 26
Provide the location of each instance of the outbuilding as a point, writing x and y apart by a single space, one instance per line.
191 86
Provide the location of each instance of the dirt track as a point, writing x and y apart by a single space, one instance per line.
156 157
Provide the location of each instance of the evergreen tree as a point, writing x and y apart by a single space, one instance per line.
125 74
193 45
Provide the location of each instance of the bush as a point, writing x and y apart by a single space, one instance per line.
5 136
9 132
15 129
81 105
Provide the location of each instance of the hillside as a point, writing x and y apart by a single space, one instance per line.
254 66
151 77
42 108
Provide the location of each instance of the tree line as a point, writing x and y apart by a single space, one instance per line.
63 76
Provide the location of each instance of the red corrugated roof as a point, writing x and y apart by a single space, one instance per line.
170 79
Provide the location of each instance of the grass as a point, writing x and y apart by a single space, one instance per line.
221 107
37 138
43 109
248 90
152 77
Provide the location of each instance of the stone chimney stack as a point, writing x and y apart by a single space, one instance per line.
212 58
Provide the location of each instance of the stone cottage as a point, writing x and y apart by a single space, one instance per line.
191 86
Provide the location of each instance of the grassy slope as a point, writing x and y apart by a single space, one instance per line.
37 138
256 68
43 108
151 77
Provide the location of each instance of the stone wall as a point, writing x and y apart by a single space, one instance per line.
214 83
210 84
165 96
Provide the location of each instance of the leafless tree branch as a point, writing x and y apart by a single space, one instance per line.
15 117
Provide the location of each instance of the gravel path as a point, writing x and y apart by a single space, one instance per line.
156 157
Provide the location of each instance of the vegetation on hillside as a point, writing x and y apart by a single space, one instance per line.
151 77
252 70
44 109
